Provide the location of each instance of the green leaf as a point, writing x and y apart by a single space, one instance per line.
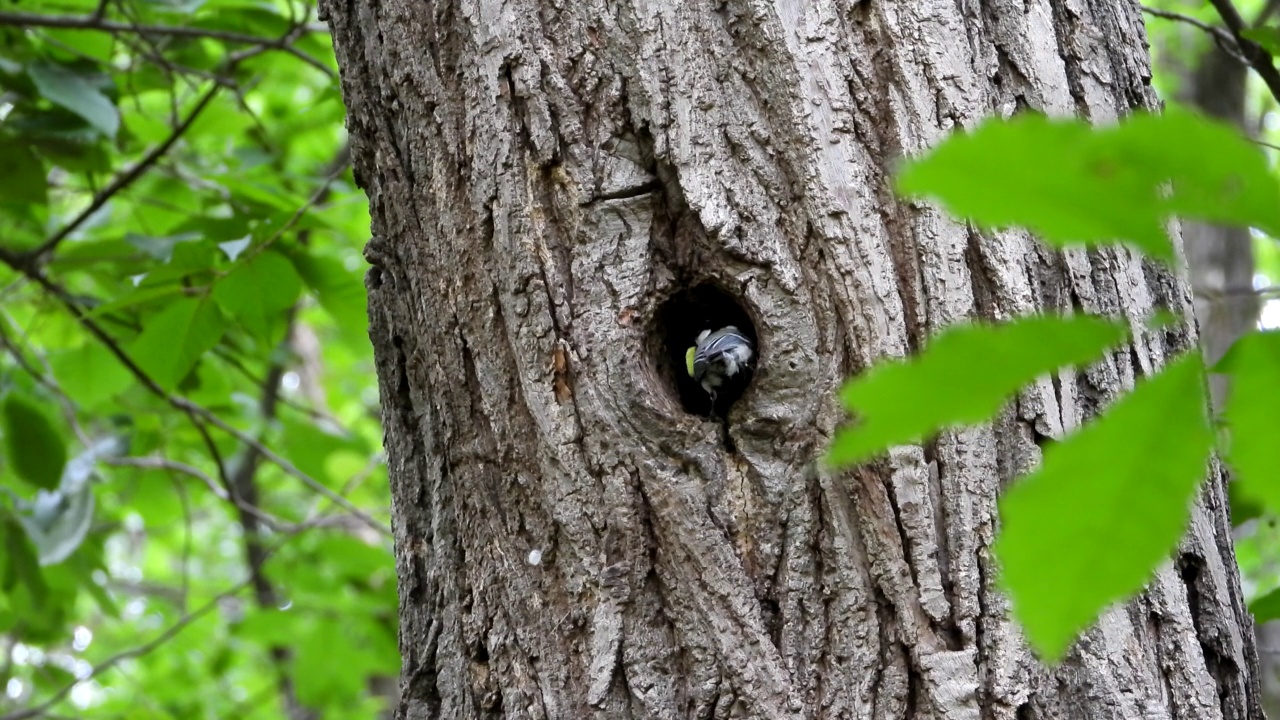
24 180
77 93
21 568
160 248
1243 507
1253 414
340 291
172 342
1108 504
36 449
90 374
258 292
905 400
1217 174
1266 608
1267 37
319 679
1071 183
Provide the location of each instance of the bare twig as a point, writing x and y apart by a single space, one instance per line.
1238 292
139 651
125 179
162 463
1258 57
1224 39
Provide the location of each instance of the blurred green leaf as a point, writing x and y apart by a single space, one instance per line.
37 451
963 377
23 180
1243 507
1107 505
1266 608
1267 37
340 291
321 681
173 341
1253 415
1072 183
21 568
258 292
90 374
77 93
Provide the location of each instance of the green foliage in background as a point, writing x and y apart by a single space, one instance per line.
182 305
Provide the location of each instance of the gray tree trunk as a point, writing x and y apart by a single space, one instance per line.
562 193
1220 259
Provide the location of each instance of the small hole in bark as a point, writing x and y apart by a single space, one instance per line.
679 321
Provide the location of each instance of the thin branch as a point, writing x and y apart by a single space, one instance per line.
1259 58
162 463
125 179
31 20
100 668
1267 11
1179 17
191 409
45 378
1224 39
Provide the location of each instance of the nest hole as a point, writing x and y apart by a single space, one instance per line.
679 321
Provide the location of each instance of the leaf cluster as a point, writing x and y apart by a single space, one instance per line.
1110 500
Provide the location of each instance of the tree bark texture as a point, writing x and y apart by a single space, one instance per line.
548 180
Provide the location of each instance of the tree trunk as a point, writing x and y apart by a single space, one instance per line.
564 194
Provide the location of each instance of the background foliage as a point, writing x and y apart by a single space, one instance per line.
193 504
194 507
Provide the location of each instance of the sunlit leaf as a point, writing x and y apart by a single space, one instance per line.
1107 505
963 376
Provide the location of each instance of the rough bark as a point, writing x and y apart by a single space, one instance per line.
547 178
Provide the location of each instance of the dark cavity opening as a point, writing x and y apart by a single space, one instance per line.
679 321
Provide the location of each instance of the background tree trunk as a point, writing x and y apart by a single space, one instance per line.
1220 261
563 192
